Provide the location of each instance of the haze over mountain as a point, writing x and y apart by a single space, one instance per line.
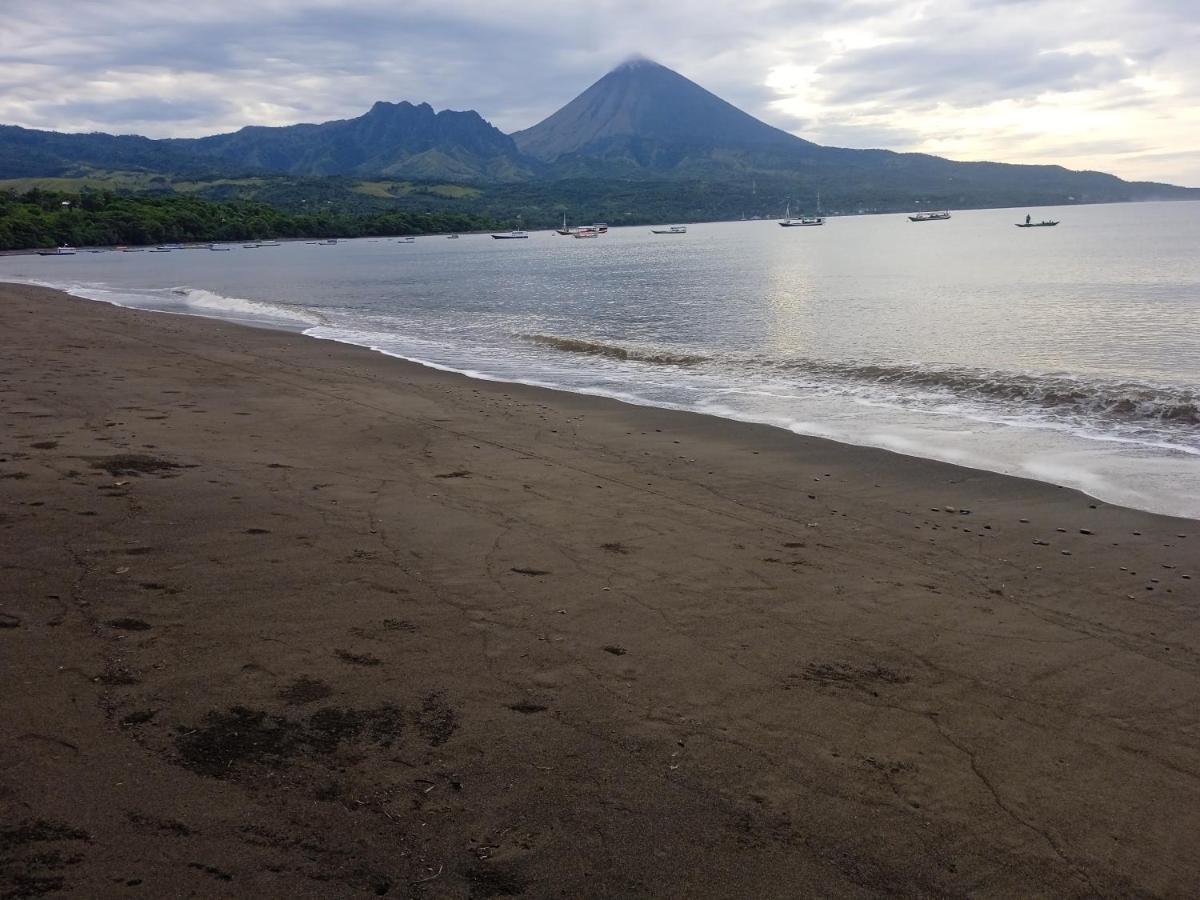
640 123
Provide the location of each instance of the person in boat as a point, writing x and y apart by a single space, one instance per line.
1027 218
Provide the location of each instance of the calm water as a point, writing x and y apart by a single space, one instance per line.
1068 354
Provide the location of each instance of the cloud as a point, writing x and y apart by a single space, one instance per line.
945 76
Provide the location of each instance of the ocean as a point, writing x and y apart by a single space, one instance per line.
1069 355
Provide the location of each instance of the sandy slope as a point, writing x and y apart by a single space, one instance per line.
346 626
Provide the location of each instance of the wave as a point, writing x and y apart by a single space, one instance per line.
1078 399
612 351
239 306
1124 401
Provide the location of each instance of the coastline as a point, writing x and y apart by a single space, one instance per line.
379 621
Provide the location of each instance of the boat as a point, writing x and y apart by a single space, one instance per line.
517 235
601 228
249 246
268 243
1029 223
452 237
674 229
404 240
929 217
585 233
789 222
564 230
216 249
64 250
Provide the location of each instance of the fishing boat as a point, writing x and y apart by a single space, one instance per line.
1029 223
585 233
674 229
929 217
803 221
564 230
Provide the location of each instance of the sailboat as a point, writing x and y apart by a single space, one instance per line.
564 230
789 222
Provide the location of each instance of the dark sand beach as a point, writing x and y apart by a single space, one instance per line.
287 618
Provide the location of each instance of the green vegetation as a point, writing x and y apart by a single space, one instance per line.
48 218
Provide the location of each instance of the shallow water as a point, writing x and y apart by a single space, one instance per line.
1067 354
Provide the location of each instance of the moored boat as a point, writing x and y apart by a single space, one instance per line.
789 222
511 236
674 229
64 250
1029 223
929 216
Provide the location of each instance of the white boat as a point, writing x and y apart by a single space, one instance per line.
268 243
452 237
64 250
674 229
216 249
929 217
511 236
585 233
405 240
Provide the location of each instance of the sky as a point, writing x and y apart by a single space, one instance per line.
1112 85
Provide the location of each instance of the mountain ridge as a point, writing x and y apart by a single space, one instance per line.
639 123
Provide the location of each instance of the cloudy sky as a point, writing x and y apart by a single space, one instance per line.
1101 84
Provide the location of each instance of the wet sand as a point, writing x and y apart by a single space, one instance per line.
286 618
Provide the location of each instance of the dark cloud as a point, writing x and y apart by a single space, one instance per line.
140 109
918 73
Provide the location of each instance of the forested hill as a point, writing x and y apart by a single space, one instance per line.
41 218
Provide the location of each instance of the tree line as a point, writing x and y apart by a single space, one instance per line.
42 218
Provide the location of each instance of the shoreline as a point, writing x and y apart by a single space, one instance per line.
1118 495
298 617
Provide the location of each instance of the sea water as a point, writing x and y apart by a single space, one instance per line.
1067 354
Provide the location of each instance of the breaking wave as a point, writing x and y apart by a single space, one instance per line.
1123 401
1102 404
612 351
207 301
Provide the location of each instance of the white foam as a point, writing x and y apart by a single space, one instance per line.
209 302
